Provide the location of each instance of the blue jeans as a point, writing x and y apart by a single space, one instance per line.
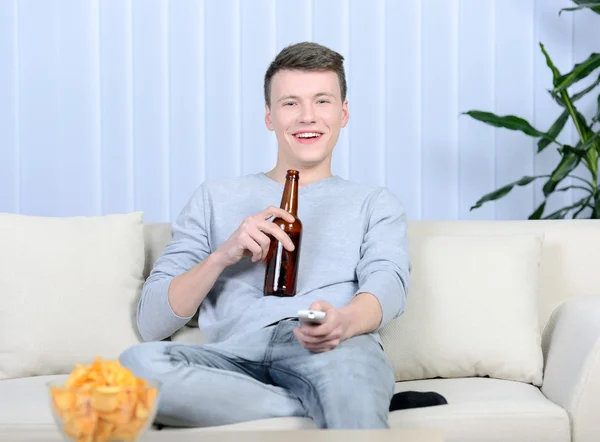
267 374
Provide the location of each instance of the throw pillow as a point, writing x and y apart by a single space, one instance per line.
68 290
472 309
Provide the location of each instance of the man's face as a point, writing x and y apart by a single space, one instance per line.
306 114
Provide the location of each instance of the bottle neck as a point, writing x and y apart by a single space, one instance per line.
289 200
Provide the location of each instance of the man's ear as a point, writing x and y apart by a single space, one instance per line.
268 121
345 114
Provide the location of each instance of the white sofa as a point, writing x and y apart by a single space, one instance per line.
565 407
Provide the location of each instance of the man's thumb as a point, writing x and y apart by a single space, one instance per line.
320 306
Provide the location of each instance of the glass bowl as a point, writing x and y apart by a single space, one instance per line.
103 413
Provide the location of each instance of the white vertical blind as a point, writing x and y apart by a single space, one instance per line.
439 119
477 90
118 105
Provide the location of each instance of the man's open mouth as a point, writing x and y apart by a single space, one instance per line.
307 136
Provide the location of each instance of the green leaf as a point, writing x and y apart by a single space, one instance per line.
579 72
597 116
557 98
594 5
551 65
580 149
564 189
581 209
589 143
507 122
504 190
569 161
554 130
583 180
570 149
597 204
537 213
560 213
578 95
585 91
583 124
566 166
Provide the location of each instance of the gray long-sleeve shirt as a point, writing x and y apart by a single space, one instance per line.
354 240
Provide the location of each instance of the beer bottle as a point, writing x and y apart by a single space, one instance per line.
282 265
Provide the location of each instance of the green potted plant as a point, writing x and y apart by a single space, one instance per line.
586 150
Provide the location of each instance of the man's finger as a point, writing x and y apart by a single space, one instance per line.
313 339
279 234
320 332
321 306
325 346
262 239
248 242
278 212
316 344
309 340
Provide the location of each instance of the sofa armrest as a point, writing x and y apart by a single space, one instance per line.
571 344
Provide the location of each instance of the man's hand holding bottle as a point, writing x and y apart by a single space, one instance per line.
250 238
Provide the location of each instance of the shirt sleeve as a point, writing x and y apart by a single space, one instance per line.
384 266
189 245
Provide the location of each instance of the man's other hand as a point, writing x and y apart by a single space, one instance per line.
323 337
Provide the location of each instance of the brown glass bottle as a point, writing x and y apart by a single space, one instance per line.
282 265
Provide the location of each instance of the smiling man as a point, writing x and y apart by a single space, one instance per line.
259 361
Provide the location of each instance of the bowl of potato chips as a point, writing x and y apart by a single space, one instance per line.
103 402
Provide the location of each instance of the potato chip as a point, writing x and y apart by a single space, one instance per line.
103 402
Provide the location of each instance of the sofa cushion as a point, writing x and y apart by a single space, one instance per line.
478 409
569 255
490 410
68 290
25 403
472 309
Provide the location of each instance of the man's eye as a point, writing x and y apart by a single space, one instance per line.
323 101
289 103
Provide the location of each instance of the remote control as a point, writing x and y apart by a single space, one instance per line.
311 316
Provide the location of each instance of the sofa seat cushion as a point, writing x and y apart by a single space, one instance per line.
25 403
478 409
483 409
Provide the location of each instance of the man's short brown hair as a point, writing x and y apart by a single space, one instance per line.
306 56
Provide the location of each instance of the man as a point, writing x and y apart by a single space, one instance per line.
260 362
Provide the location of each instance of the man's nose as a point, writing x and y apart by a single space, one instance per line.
307 115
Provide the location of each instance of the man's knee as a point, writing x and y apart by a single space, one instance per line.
361 357
352 386
361 380
360 373
143 359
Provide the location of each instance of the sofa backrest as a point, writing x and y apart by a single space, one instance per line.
570 258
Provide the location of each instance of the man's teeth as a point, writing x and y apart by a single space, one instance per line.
308 135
